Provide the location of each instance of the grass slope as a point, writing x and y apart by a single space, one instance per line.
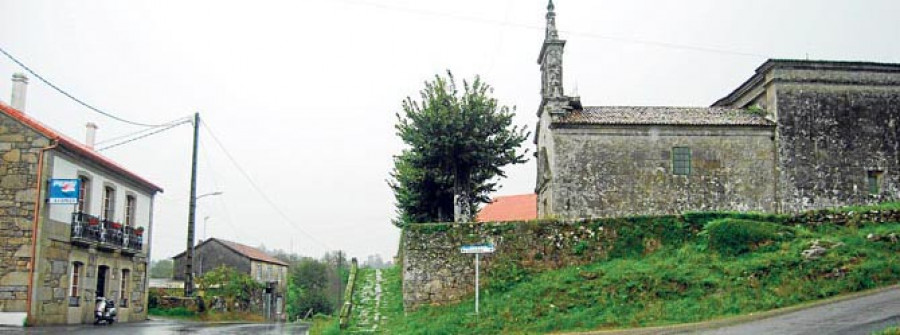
695 281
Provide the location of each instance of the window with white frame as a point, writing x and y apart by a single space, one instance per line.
123 289
75 283
109 203
130 207
84 191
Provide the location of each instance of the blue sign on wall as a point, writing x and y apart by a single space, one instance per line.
64 191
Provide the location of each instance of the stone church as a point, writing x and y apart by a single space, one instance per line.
797 135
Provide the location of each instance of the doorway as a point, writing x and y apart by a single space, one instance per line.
102 273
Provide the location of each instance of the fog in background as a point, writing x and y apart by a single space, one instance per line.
303 94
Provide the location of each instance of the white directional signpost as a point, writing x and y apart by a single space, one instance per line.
477 249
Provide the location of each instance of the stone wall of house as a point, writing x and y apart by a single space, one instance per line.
208 257
436 273
615 171
832 136
19 151
58 255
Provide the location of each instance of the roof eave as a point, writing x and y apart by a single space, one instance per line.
559 124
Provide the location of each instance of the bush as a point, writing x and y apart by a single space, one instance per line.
735 236
177 312
153 298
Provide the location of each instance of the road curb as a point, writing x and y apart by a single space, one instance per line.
733 320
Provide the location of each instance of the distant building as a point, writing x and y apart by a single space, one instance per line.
57 258
797 135
213 253
521 207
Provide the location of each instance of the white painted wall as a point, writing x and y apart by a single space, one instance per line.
66 169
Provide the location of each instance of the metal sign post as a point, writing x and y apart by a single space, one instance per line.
477 249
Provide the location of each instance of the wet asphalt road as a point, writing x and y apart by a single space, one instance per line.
165 327
862 316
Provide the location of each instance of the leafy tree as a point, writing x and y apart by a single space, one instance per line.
458 143
308 287
161 269
423 195
230 284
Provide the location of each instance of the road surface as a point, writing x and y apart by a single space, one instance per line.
862 315
164 327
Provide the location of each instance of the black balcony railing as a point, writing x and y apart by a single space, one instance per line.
87 228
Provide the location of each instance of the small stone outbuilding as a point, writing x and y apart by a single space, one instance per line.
270 271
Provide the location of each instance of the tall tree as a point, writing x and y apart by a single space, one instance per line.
458 143
308 286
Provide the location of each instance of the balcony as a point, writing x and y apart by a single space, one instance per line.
91 230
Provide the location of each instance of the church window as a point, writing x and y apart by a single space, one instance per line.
874 182
681 161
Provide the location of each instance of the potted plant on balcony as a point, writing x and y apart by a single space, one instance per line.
139 231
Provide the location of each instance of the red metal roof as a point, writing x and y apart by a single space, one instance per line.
74 146
522 207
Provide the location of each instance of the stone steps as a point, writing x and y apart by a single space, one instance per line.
367 310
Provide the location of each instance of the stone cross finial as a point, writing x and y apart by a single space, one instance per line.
551 22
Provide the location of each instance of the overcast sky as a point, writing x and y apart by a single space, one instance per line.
302 94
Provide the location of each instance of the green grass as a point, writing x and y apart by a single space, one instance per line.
177 312
679 283
209 316
895 330
324 325
879 207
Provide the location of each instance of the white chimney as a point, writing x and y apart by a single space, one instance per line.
90 135
19 88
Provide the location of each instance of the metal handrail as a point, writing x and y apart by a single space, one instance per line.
89 228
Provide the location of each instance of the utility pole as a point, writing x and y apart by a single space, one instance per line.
189 262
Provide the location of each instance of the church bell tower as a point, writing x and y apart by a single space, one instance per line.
553 100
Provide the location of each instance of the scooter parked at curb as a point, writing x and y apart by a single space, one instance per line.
105 311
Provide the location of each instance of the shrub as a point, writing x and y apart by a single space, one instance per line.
735 236
177 312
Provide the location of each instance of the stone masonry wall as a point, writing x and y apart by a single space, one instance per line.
208 257
19 150
627 170
830 137
436 273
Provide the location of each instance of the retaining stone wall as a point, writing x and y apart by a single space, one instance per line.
436 273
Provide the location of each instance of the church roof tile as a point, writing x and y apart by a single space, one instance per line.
662 115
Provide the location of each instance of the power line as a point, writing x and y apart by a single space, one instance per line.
569 32
157 131
70 96
137 133
212 174
258 189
